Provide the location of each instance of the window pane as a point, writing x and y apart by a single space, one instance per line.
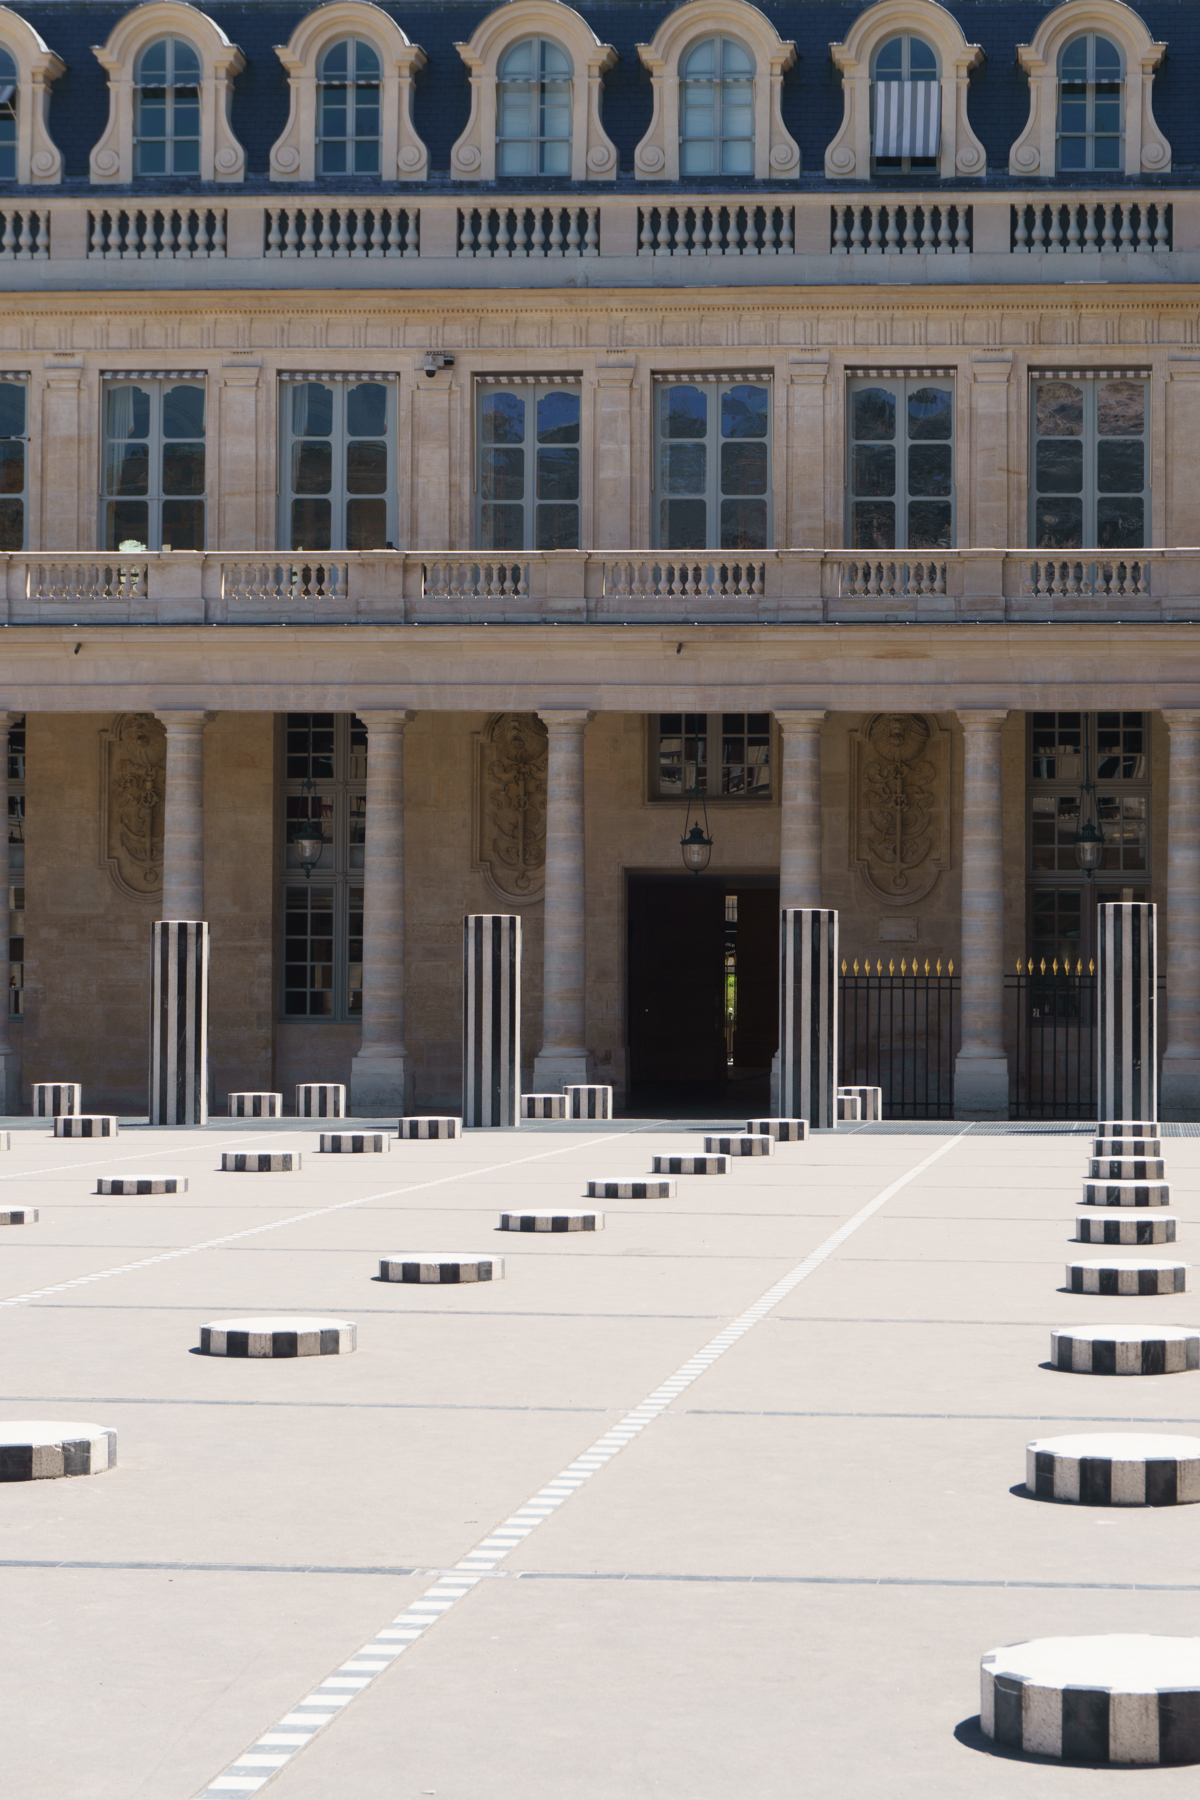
183 524
12 467
312 468
127 412
1120 466
183 412
873 525
502 419
502 527
366 524
558 474
183 468
366 409
684 412
929 470
743 524
311 521
127 469
312 409
1059 409
684 468
1120 408
1059 524
930 413
683 524
12 409
558 417
12 524
558 528
1059 467
502 475
126 521
366 467
873 469
929 525
744 413
743 468
874 414
1120 524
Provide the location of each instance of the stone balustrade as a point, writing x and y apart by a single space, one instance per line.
600 587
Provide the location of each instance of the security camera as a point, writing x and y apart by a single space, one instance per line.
435 360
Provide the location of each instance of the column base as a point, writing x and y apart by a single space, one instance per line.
555 1069
1179 1088
378 1084
981 1087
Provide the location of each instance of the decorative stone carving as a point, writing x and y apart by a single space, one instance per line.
900 808
511 754
133 773
1145 149
849 154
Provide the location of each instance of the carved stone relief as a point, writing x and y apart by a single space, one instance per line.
900 805
510 806
133 772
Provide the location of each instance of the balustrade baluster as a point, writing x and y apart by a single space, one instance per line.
376 232
41 240
699 234
8 244
1108 237
556 232
945 245
768 247
662 231
183 247
200 247
591 237
412 239
325 236
291 237
857 245
503 235
485 232
962 231
645 233
875 236
1144 245
1160 227
520 243
1126 228
308 238
1039 230
574 236
1020 241
1072 245
466 232
750 246
274 234
218 244
787 231
1089 226
911 245
891 236
1056 230
161 228
359 251
841 237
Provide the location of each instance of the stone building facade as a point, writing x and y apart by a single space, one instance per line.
506 436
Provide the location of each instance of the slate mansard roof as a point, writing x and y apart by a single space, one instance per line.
812 99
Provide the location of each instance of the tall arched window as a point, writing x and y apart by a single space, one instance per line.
348 110
1089 104
533 110
166 116
716 109
8 117
906 98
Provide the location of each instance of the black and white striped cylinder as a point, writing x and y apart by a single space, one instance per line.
1126 1146
355 1143
491 1020
55 1099
1127 1277
1127 1168
750 1143
1114 1468
320 1100
587 1102
1127 988
1126 1193
1127 1128
260 1162
543 1106
1116 1699
141 1184
278 1337
629 1187
784 1131
1119 1227
45 1449
18 1215
255 1106
808 1015
1134 1350
442 1127
447 1269
870 1100
560 1219
849 1109
179 1022
87 1125
691 1165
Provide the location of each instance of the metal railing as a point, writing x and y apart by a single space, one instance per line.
898 1032
1050 1026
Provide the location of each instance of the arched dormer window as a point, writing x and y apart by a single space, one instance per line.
906 68
537 79
166 109
348 113
170 75
716 109
906 112
1090 79
1090 67
350 75
27 67
533 109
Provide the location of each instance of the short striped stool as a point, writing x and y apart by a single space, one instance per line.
754 1143
1126 1168
430 1127
52 1100
260 1162
626 1187
849 1109
45 1449
1126 1193
256 1106
1127 1277
1111 1350
1127 1128
141 1184
1119 1699
18 1215
588 1102
320 1100
1128 1146
355 1143
278 1337
784 1131
425 1266
85 1125
1115 1226
551 1221
1114 1468
870 1100
691 1165
543 1106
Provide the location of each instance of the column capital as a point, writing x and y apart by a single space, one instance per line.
802 719
388 719
1181 718
183 718
565 718
982 718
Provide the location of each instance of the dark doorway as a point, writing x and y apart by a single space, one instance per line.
702 1006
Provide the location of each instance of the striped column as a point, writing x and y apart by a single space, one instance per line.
808 993
179 1023
1180 1098
1127 986
491 1019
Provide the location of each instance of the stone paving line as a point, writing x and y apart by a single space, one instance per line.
319 1212
275 1748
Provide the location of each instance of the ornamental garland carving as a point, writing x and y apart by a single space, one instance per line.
900 811
133 772
510 811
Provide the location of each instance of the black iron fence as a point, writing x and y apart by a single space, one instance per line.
1051 1025
897 1032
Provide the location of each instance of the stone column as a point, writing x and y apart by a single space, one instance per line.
1179 1096
183 815
1127 996
378 1074
562 1058
800 809
981 1071
808 374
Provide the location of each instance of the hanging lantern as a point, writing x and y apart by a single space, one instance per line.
307 840
696 844
1089 837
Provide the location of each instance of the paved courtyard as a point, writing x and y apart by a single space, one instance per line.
774 1579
